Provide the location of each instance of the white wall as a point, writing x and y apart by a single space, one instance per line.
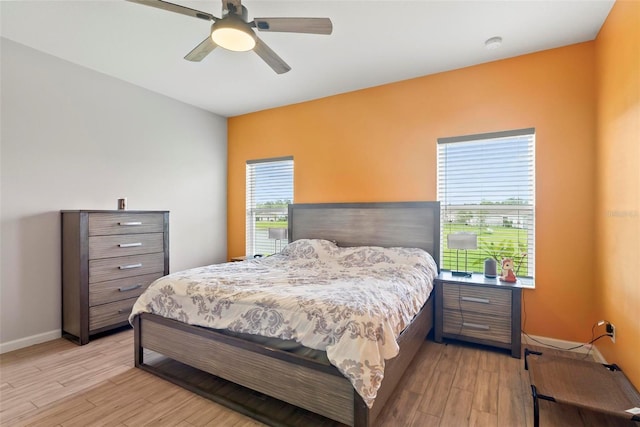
73 138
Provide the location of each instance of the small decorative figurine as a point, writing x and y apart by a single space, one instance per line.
507 271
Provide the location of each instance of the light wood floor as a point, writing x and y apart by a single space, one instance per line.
59 383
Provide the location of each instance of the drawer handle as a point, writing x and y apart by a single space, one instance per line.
129 245
122 310
475 326
130 288
130 223
126 267
480 300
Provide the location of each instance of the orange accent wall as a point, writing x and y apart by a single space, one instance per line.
379 144
618 183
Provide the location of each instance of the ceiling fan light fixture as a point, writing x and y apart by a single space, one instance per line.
233 34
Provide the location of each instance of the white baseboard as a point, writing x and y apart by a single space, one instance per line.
6 347
553 342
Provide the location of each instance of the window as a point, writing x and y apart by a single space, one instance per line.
486 187
269 192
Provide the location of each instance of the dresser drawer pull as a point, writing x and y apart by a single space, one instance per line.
480 300
126 267
130 288
475 326
129 245
130 223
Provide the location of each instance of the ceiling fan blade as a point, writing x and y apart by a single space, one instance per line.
201 51
165 5
270 57
295 25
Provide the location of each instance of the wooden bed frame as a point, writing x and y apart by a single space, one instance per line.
301 381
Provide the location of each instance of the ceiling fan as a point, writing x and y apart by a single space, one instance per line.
234 32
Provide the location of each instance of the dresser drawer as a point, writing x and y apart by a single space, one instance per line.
104 315
116 290
494 301
125 244
480 326
101 270
125 223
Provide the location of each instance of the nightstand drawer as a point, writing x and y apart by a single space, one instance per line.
116 290
125 223
101 270
125 244
110 314
494 301
477 326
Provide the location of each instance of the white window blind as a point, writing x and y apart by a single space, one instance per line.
486 187
269 192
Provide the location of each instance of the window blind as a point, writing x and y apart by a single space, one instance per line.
269 189
486 186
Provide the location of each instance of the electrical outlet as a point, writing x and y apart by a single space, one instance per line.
611 329
613 333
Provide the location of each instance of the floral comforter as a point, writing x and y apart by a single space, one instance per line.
350 302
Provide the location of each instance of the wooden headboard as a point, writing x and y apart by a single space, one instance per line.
407 224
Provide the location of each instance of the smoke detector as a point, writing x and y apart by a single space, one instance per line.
493 43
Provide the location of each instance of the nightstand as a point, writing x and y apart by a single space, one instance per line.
480 310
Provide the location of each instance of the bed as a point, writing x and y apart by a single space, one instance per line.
297 379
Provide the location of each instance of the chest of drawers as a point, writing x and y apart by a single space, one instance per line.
108 259
477 309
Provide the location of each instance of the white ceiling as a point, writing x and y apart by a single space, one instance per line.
373 43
